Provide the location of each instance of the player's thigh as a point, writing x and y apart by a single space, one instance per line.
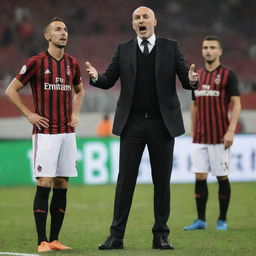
67 163
219 159
200 158
46 149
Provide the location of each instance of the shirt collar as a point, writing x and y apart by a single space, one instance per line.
152 40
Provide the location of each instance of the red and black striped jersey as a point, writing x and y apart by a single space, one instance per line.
212 99
52 84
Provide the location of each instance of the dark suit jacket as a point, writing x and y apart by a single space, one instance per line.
169 62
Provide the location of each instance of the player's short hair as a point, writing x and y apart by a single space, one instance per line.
52 20
213 38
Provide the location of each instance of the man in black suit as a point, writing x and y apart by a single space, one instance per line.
148 113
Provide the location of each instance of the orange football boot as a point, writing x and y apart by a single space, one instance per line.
44 247
58 246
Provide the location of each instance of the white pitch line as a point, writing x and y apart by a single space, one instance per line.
16 253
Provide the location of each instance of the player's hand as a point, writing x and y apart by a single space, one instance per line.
192 75
93 73
74 119
228 139
38 120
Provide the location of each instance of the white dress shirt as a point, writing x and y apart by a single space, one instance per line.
151 44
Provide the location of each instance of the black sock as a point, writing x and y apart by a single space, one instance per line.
201 195
57 209
224 197
40 212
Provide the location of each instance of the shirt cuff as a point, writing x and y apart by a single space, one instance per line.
94 80
194 85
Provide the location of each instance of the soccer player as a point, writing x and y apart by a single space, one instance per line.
53 76
212 130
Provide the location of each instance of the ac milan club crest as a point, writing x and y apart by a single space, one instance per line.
68 70
217 79
39 168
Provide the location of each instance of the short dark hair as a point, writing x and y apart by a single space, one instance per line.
52 20
213 38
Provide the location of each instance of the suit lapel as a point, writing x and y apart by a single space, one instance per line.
159 55
132 53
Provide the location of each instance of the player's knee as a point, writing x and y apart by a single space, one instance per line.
60 182
201 176
44 182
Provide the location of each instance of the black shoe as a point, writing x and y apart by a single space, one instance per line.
162 243
112 242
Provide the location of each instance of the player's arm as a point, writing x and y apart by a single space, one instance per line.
77 103
193 112
235 112
12 93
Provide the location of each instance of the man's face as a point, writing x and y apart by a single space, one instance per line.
57 34
143 22
211 51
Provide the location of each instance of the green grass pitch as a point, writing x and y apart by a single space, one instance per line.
89 214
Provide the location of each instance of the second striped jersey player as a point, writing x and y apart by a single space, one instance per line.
213 130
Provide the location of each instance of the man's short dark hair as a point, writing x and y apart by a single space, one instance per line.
213 38
52 20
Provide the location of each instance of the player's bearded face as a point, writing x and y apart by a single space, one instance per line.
211 51
57 34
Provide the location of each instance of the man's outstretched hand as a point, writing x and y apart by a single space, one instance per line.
93 73
192 75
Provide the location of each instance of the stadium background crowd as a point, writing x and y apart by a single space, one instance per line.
96 27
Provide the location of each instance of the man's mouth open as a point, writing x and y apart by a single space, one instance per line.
142 29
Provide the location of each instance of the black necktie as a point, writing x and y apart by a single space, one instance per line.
145 43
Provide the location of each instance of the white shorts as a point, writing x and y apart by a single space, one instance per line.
54 155
210 158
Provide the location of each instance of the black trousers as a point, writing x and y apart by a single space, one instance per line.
141 130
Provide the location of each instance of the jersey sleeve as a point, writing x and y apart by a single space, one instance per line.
27 71
232 85
77 77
